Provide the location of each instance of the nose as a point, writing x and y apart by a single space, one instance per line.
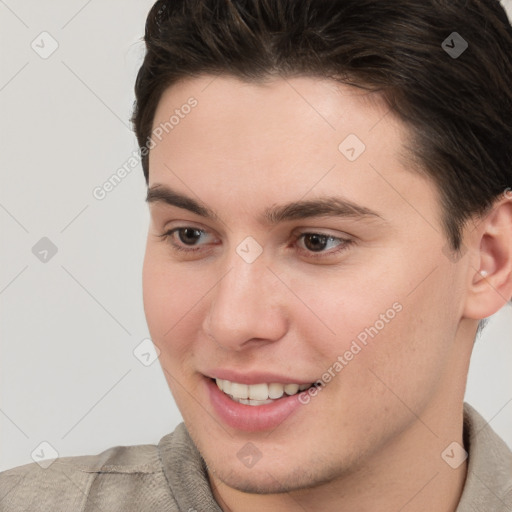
246 306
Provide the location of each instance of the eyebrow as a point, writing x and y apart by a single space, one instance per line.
319 207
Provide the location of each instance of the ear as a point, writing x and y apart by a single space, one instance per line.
490 270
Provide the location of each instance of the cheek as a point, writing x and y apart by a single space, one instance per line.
343 307
156 296
384 334
169 297
404 362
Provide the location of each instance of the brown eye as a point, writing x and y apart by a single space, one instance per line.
184 238
189 235
315 242
319 245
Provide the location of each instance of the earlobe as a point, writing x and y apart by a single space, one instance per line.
490 280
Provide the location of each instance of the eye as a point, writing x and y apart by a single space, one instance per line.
318 242
187 235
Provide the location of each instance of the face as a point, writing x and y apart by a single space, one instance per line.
349 289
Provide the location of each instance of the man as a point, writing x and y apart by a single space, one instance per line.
330 190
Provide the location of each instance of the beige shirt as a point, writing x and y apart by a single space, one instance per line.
171 477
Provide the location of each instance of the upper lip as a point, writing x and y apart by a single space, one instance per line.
253 377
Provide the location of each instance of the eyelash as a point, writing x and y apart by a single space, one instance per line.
345 242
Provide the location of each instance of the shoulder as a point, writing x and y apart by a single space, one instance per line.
69 483
489 476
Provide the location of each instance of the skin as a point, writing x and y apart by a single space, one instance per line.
372 438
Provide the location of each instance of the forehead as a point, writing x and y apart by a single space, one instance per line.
283 113
286 137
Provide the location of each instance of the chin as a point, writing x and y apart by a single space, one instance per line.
263 483
254 486
270 480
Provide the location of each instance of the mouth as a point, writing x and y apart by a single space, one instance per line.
259 394
257 401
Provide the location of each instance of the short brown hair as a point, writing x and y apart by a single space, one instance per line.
458 107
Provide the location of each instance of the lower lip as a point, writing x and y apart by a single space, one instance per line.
251 418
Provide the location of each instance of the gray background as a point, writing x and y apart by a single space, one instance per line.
69 325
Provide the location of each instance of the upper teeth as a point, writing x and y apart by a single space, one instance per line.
259 391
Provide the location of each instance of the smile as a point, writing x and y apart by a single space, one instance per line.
258 394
